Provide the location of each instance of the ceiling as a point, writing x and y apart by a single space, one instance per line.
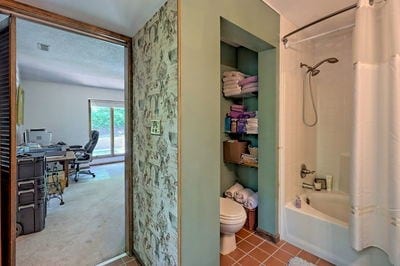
81 60
76 59
122 16
71 58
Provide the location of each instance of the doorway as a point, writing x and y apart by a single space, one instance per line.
8 256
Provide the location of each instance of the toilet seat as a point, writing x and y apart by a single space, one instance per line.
231 212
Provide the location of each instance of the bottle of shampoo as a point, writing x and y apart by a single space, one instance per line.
297 202
329 182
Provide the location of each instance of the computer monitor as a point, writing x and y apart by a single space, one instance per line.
39 136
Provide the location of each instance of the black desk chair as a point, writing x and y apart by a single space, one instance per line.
84 155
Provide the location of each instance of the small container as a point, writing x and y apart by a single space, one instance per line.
317 186
329 180
234 125
227 123
297 202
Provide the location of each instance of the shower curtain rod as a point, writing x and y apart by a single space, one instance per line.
285 38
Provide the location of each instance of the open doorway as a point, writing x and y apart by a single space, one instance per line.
62 78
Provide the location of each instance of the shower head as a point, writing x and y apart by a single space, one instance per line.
331 60
314 71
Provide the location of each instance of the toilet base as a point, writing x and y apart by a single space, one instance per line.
227 243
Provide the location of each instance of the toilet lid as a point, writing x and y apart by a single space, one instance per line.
230 209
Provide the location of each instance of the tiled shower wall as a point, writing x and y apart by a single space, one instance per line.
298 141
335 107
155 174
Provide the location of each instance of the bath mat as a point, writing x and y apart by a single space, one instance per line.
296 261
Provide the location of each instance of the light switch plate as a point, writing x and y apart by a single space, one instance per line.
155 128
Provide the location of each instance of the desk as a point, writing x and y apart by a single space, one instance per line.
65 160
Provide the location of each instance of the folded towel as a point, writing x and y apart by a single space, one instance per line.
232 87
252 201
232 82
232 92
248 80
242 195
232 79
230 192
250 85
234 74
248 90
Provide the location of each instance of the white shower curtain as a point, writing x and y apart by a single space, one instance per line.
375 180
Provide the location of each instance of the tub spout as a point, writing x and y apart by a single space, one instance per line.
307 186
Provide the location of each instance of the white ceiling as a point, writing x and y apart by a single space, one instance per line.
76 59
122 16
301 12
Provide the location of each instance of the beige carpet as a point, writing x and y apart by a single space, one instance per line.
87 230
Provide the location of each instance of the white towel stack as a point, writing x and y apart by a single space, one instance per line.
242 195
230 192
247 197
231 80
252 201
252 125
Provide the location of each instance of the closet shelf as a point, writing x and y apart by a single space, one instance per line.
241 133
242 95
255 165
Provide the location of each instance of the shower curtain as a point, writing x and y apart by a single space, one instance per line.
375 174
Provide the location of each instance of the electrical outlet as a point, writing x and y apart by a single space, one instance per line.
155 128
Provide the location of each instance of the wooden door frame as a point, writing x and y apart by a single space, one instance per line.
24 11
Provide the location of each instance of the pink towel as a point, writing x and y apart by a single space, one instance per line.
248 80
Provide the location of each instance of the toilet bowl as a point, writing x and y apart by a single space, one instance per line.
232 217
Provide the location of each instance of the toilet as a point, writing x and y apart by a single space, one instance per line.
232 217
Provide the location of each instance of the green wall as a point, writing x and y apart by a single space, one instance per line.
200 115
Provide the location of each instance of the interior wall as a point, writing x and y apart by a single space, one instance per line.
155 164
298 141
200 101
62 108
335 86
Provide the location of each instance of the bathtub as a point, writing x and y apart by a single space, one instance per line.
321 227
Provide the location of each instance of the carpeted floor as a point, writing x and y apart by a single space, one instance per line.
87 230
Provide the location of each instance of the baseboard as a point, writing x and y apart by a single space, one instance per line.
111 260
268 236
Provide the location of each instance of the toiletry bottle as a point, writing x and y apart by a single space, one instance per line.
227 123
328 182
297 202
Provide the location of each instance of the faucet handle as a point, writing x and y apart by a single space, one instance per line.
304 171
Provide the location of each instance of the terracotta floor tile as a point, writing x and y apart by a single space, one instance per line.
128 259
248 261
237 254
243 233
272 261
282 256
254 239
132 263
308 256
245 246
323 262
117 262
259 254
280 243
226 260
291 249
268 247
238 238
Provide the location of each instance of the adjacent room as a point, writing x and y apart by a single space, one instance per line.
71 145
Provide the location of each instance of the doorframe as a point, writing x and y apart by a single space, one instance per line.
31 13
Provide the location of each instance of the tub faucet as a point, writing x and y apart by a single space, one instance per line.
307 186
304 171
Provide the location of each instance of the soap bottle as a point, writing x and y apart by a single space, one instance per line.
328 182
297 202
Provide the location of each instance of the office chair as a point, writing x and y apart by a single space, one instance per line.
84 155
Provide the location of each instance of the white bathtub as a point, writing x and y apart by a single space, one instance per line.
322 228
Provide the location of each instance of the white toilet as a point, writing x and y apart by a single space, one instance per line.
232 217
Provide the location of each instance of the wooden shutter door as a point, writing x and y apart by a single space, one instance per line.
8 140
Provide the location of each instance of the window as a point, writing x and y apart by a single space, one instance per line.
108 117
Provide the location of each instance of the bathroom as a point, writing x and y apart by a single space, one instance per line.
316 129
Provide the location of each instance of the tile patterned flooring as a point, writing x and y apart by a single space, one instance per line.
254 250
124 261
